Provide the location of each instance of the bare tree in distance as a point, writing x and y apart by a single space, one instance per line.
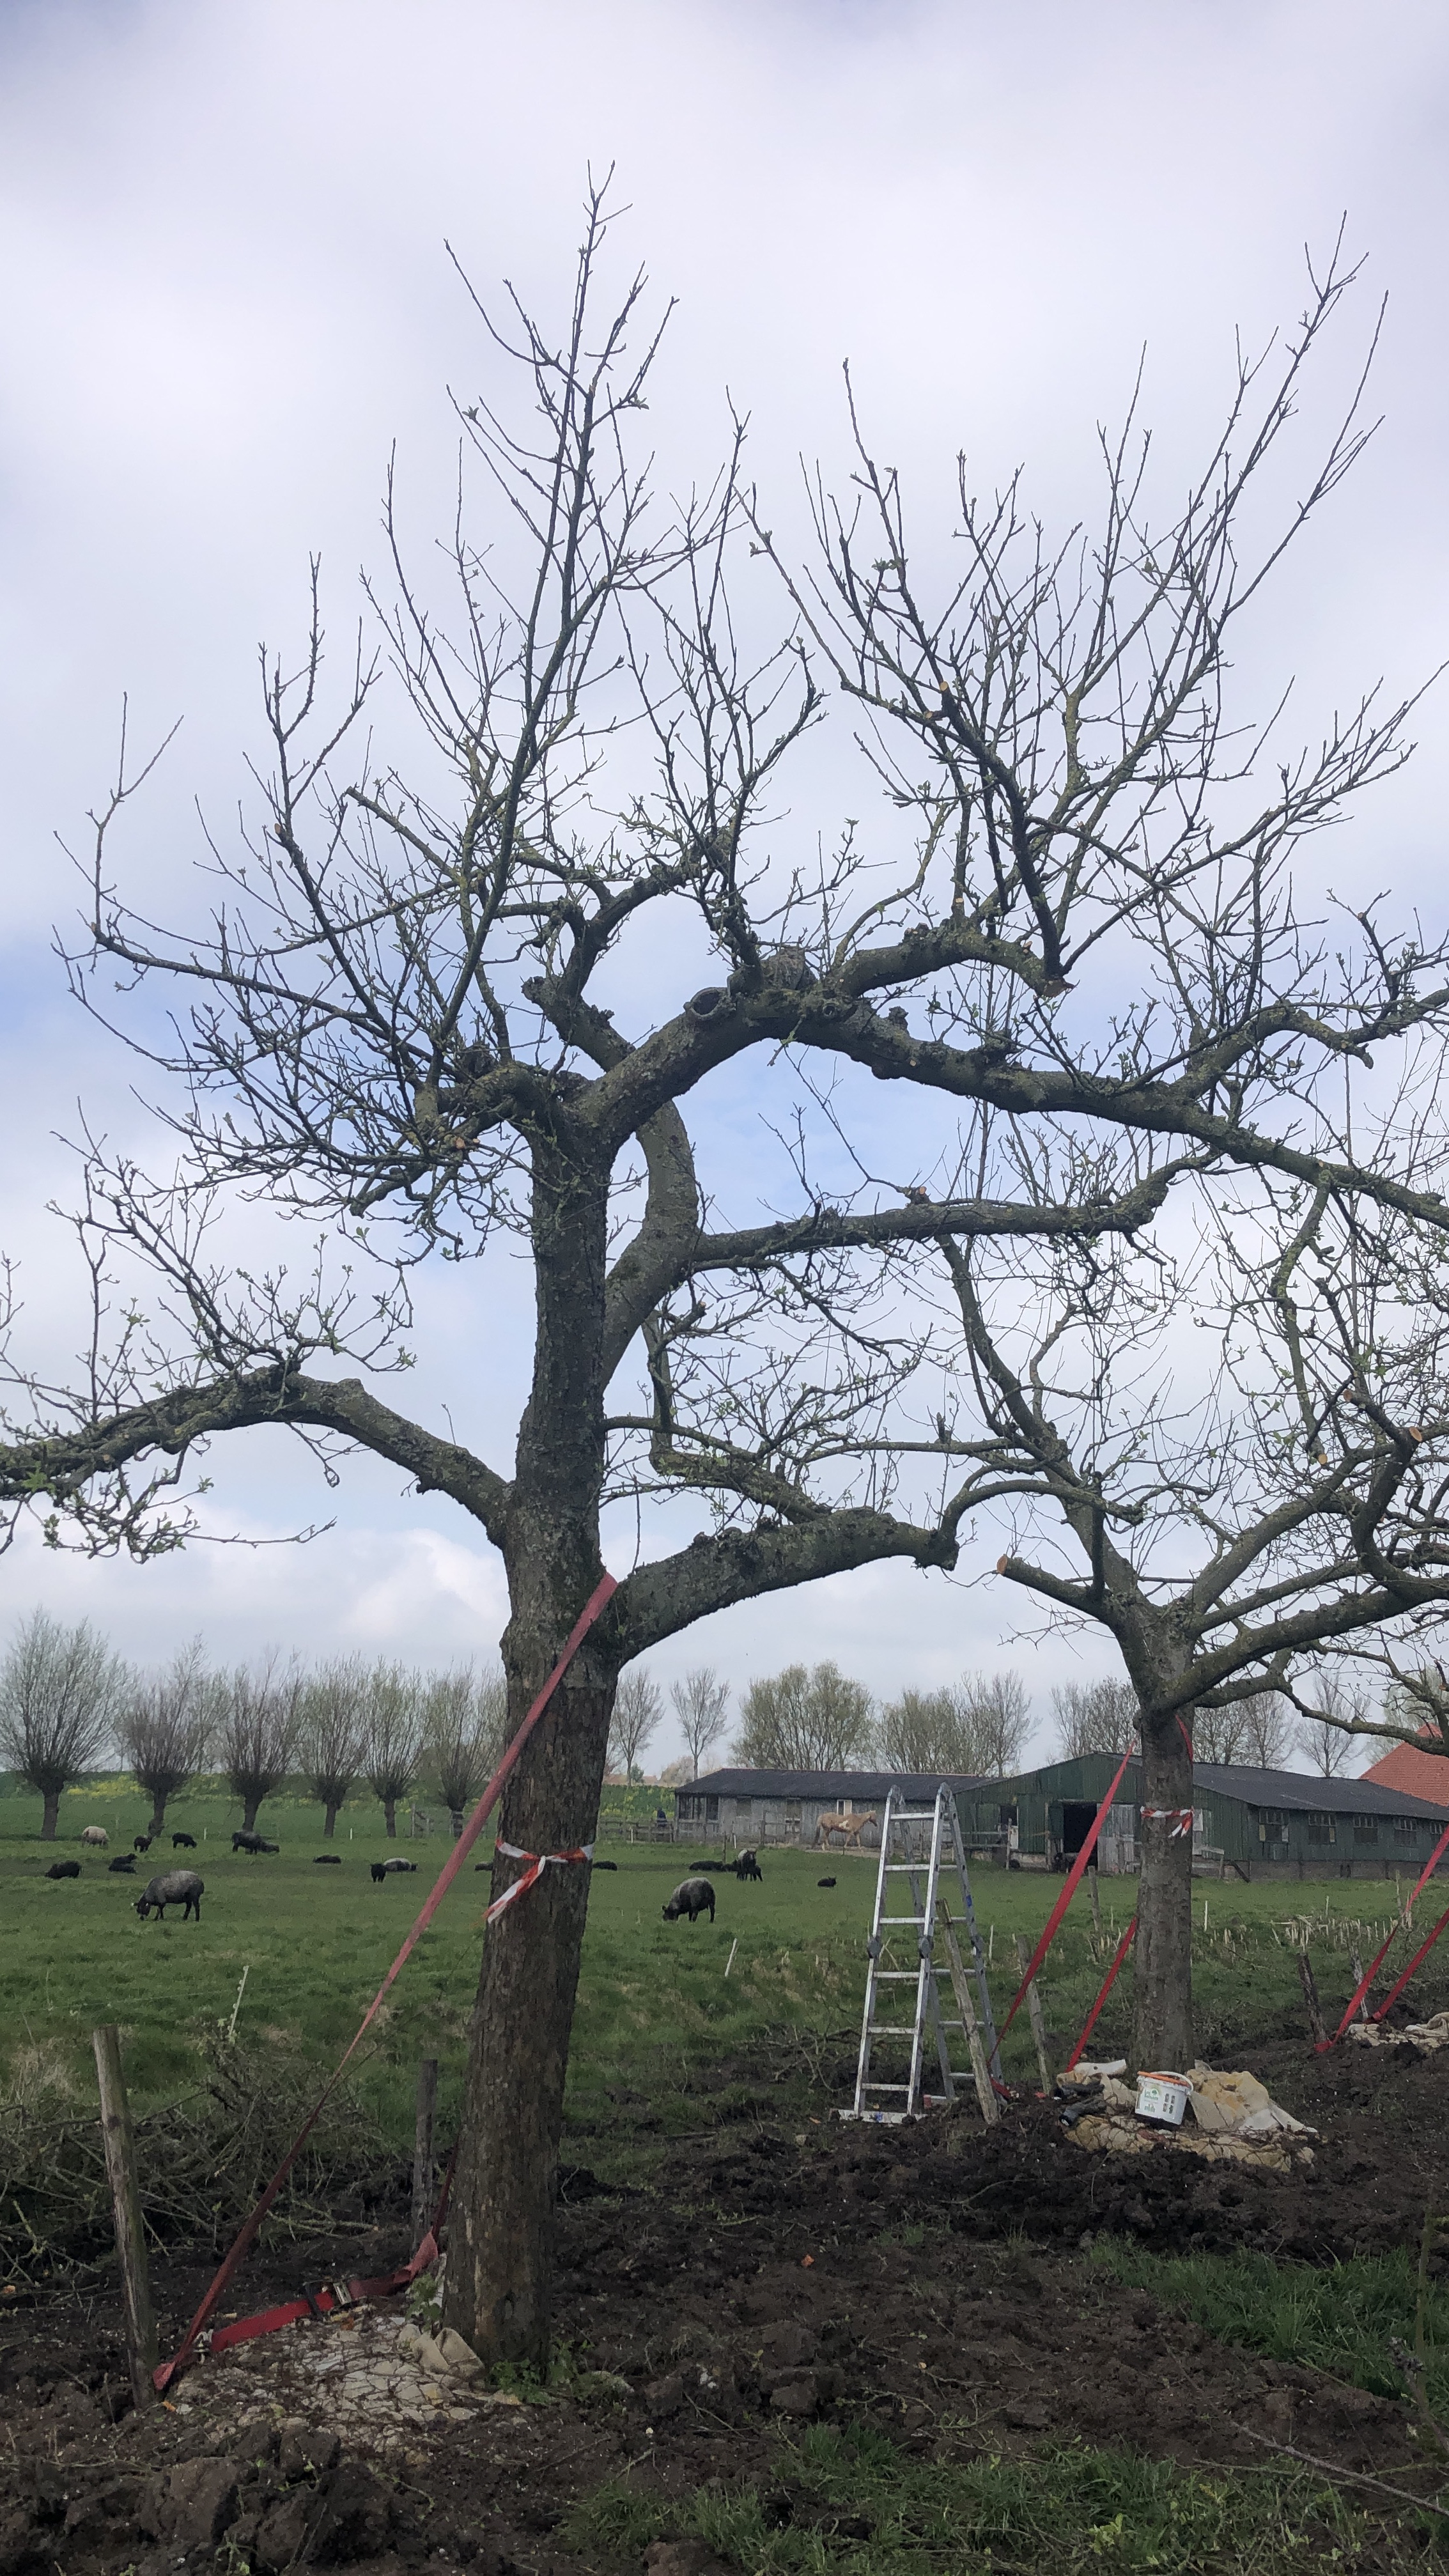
1258 1732
392 1736
462 1721
997 1722
1095 1717
1330 1707
334 1734
60 1689
164 1727
258 1727
701 1704
921 1731
799 1720
638 1708
1072 942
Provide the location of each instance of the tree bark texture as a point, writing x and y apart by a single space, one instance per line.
251 1807
51 1816
499 2253
158 1814
389 1813
1162 2022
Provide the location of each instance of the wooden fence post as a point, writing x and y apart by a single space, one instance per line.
423 2168
120 2145
1309 1984
1038 2018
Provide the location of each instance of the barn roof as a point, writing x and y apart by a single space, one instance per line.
1298 1792
1415 1770
825 1784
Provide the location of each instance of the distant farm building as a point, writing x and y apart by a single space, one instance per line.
1252 1824
786 1806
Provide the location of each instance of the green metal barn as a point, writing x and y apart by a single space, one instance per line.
1246 1823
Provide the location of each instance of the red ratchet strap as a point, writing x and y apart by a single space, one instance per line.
538 1863
601 1594
1108 1982
1074 1879
1377 1961
1419 1956
335 2297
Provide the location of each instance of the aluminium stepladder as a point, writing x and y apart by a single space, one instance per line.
928 1937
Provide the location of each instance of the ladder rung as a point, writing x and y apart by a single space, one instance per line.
919 1920
892 2030
873 2084
896 1976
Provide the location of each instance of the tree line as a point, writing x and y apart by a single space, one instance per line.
68 1701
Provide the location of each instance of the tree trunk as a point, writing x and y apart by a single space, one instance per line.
330 1827
456 1820
50 1818
158 1812
389 1810
250 1807
1162 1974
500 2239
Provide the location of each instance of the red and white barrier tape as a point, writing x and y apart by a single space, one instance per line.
540 1862
1178 1820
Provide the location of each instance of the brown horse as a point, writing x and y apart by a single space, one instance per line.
849 1827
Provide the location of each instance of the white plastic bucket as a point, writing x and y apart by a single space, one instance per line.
1162 2098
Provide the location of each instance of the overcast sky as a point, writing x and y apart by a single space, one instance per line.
226 298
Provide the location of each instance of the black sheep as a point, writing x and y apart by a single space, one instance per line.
183 1842
747 1866
127 1862
328 1860
143 1842
175 1887
825 1882
251 1843
693 1896
63 1869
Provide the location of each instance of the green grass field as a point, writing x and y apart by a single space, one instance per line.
657 2006
761 2008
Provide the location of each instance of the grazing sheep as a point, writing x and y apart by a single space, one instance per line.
693 1896
825 1882
63 1869
174 1887
127 1862
746 1865
606 1864
95 1837
251 1843
143 1842
327 1860
379 1872
391 1867
183 1842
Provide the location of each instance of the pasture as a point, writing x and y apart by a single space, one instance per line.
1025 2363
658 2016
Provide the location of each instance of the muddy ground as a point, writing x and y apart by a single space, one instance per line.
932 2281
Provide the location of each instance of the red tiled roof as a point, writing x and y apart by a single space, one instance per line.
1416 1773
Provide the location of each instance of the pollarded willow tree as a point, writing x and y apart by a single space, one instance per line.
457 1000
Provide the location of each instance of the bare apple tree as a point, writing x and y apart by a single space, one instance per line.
425 1005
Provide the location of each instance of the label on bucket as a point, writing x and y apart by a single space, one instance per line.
1162 2097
